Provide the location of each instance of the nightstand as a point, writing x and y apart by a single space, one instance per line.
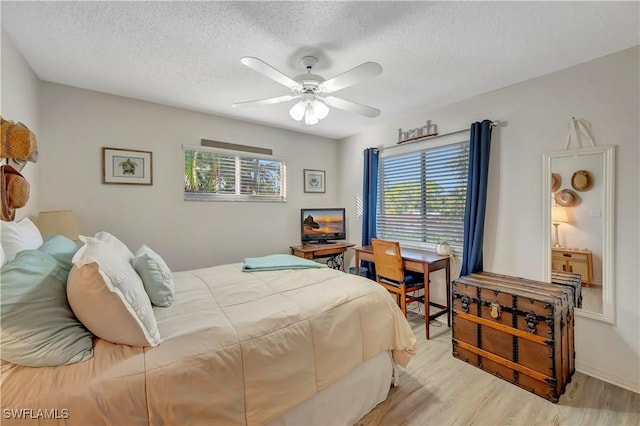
573 260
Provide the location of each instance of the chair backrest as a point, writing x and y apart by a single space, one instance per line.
388 259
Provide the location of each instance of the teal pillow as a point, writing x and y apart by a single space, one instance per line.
37 326
156 276
60 248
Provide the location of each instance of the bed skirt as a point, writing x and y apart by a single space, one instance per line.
349 399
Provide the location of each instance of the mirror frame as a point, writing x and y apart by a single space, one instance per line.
608 215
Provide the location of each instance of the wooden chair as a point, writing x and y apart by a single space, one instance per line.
391 275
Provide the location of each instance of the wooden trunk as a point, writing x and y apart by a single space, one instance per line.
518 329
572 280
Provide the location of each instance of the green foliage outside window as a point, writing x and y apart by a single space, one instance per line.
211 175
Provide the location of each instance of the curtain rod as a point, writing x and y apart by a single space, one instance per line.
422 138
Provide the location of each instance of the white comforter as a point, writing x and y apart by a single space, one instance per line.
238 348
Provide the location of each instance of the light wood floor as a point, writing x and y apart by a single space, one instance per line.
438 389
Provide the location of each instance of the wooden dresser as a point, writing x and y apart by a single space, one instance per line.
573 260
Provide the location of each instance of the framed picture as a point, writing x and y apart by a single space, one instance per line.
314 180
127 166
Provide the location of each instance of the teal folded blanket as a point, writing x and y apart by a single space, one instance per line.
276 262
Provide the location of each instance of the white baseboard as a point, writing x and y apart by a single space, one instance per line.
606 376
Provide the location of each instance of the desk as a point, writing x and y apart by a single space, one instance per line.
334 253
425 263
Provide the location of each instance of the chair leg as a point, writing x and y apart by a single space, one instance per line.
403 302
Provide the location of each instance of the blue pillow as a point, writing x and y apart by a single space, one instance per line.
60 248
38 326
156 276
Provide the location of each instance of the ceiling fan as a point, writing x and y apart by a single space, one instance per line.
311 89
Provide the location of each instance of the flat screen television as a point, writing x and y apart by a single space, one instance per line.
322 225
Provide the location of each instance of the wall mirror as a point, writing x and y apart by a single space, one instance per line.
578 217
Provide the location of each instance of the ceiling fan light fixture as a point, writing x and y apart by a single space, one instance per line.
309 109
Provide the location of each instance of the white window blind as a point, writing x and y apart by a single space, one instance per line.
223 175
421 195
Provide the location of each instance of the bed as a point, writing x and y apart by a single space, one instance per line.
293 346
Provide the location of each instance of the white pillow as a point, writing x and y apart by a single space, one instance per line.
116 245
18 236
108 297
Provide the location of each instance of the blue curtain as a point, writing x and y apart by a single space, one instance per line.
476 202
370 200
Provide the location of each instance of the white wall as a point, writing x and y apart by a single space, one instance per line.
77 123
534 116
19 102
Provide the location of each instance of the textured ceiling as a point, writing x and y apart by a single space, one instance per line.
187 54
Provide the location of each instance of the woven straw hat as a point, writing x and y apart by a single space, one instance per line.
556 181
17 141
567 198
582 180
14 191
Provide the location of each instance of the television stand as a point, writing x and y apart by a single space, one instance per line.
332 252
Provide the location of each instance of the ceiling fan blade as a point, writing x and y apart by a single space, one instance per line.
353 76
351 106
268 101
267 70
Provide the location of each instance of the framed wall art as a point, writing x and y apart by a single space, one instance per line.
314 180
127 166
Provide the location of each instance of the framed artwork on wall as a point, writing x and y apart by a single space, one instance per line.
314 180
127 166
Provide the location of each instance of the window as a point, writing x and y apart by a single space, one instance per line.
223 175
421 196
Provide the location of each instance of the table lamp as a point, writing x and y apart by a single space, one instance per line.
60 222
558 216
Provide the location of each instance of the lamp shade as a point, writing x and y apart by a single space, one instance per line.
60 222
297 111
558 214
321 109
